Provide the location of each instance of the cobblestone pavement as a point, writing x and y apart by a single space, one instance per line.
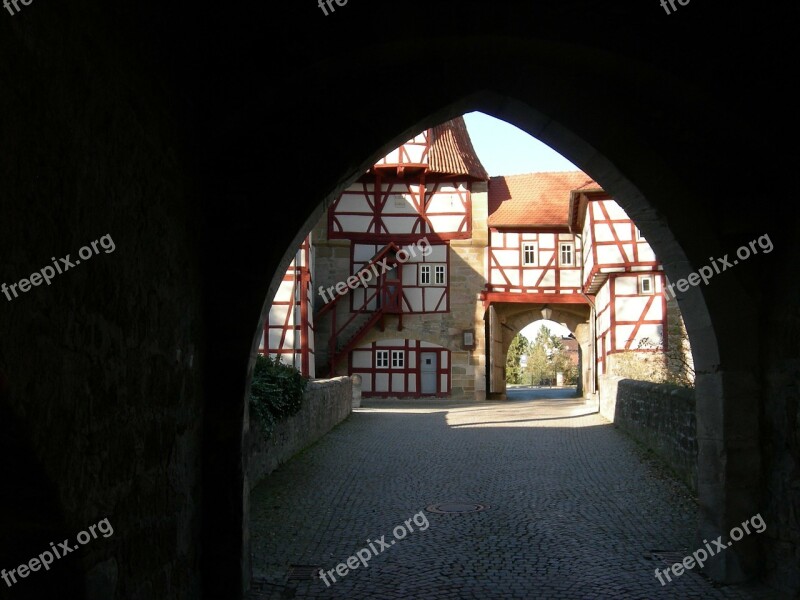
575 510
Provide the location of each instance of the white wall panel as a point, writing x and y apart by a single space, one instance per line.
507 258
381 382
362 358
398 382
614 210
356 202
399 225
623 231
414 298
432 297
624 286
445 224
570 278
354 222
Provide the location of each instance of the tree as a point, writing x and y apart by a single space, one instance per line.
538 364
518 348
547 357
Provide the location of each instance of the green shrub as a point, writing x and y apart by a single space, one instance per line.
276 392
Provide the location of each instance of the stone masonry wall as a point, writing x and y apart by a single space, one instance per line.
661 417
101 370
327 403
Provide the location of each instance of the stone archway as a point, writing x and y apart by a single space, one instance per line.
723 502
513 317
178 131
727 391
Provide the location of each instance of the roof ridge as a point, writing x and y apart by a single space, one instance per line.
576 171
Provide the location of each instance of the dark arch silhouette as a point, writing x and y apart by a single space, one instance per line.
645 203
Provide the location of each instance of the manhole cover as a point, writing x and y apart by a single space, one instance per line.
447 508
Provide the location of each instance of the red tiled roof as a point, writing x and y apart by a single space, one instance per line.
535 198
452 151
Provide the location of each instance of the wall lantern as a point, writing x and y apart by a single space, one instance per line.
547 312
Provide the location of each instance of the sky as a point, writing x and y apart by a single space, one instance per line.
506 150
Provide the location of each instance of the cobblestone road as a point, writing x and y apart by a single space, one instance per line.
575 509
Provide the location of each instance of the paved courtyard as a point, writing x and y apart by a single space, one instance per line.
573 509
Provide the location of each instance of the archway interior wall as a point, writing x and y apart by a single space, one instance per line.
509 319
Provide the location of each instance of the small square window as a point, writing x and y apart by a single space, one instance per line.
529 254
439 277
381 359
398 359
646 285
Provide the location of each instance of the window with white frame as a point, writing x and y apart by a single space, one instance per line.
398 359
439 275
567 254
529 254
646 286
424 274
381 359
433 274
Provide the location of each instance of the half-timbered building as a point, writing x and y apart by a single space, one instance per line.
417 221
623 276
289 327
423 270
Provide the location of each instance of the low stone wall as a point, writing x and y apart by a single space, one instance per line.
327 403
661 417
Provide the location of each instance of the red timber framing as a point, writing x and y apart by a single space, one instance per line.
392 380
416 297
612 244
631 314
529 261
490 298
413 154
381 207
289 329
377 301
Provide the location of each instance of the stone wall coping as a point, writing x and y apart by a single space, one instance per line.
322 383
663 388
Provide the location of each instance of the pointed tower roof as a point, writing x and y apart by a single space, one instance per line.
452 151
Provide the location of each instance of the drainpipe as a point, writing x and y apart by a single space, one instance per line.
298 282
593 340
592 322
